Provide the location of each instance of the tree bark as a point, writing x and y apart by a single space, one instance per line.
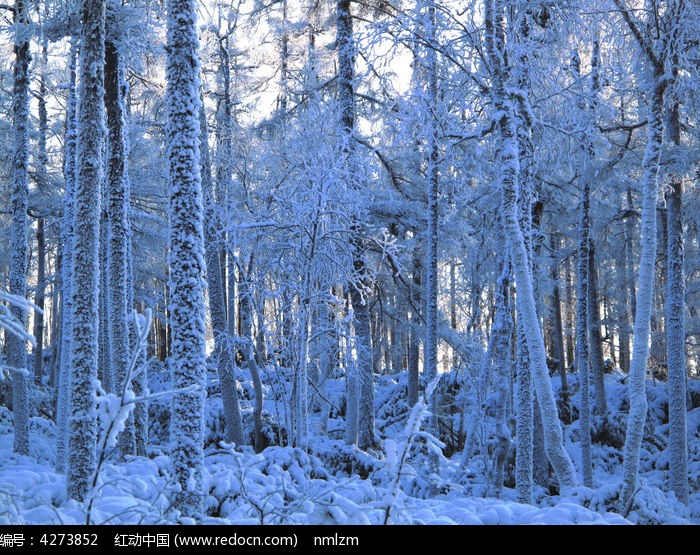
186 257
82 422
16 346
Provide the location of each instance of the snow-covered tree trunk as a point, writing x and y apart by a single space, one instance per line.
246 313
328 359
39 298
17 346
630 301
525 299
352 402
430 354
645 294
502 330
118 206
301 400
675 330
582 318
186 257
104 367
524 428
596 339
558 328
223 345
42 178
86 264
358 290
69 175
416 301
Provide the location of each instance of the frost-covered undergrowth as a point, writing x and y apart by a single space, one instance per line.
336 484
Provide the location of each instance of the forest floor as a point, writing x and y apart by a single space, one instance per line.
336 484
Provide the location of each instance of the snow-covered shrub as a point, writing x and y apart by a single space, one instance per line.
345 460
283 485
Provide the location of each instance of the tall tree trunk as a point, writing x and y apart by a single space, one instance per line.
39 300
246 313
558 330
675 329
582 319
595 338
223 341
414 345
186 257
67 310
41 168
525 393
118 207
502 330
645 295
17 346
82 423
346 99
630 304
430 353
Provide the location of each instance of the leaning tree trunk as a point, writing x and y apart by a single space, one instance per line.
525 300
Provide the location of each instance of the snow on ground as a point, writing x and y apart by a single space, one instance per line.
336 484
278 486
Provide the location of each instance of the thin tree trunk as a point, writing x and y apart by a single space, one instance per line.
595 338
345 45
41 163
67 310
118 309
414 346
502 330
246 313
558 339
39 300
582 319
223 341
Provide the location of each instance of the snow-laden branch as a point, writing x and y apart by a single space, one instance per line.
10 322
